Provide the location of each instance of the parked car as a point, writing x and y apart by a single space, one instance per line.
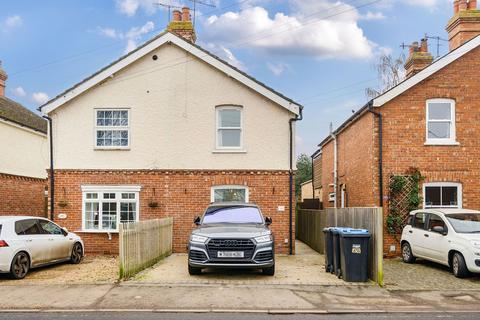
447 236
232 235
29 242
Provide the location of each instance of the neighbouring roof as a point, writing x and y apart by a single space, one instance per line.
18 114
409 83
156 42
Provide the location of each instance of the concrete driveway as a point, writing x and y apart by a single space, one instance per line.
304 268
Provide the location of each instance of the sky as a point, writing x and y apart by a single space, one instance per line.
320 53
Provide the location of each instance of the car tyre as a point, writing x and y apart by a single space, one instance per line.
407 254
270 271
459 267
193 271
20 266
77 254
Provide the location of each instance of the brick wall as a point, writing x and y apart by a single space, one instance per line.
182 195
22 195
404 135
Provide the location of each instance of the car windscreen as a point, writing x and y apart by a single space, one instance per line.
237 214
465 222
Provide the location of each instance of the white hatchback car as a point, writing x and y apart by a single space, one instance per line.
29 242
447 236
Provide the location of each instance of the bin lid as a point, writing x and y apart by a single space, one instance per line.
355 233
339 230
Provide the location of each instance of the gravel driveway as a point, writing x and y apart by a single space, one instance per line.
92 270
424 275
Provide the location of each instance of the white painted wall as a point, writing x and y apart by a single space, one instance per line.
24 151
172 119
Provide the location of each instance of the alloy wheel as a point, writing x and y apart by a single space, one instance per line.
20 265
77 253
406 252
455 265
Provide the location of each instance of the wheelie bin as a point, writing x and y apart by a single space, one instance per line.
327 232
354 253
336 250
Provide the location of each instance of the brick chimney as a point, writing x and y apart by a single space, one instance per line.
181 25
465 24
418 59
3 79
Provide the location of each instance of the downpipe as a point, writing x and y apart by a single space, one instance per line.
52 176
290 196
380 151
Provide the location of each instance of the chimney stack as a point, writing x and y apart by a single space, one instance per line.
3 79
182 25
465 24
418 59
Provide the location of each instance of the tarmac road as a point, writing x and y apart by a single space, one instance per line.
221 316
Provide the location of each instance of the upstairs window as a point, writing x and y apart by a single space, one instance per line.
441 121
442 195
112 128
229 127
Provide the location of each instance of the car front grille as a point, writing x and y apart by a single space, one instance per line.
245 245
264 256
197 255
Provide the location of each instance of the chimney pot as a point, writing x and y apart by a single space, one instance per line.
185 14
455 6
3 78
472 5
177 15
419 58
424 46
462 5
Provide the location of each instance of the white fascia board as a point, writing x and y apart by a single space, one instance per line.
427 72
168 37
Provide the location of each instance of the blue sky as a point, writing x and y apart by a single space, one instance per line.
318 52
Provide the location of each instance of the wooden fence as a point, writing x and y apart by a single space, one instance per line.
144 243
310 225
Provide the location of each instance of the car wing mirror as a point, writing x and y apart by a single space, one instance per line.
440 229
197 220
65 231
268 221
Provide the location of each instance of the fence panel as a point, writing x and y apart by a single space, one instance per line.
144 243
310 225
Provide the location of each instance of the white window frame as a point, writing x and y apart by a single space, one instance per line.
443 184
218 128
239 187
111 128
118 190
447 141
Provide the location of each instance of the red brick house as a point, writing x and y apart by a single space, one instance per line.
23 157
164 131
428 123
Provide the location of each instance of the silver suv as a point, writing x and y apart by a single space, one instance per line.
231 235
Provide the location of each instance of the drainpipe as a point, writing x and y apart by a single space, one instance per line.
335 168
290 195
313 156
52 177
380 150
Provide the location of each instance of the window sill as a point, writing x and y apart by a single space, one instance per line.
439 143
95 231
111 149
229 151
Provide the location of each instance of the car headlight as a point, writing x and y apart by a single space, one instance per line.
475 244
263 239
198 239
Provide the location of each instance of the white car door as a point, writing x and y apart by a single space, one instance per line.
417 233
31 237
436 244
60 246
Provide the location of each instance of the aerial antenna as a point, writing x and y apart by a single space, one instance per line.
195 7
438 39
169 7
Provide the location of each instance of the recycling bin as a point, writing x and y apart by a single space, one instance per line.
336 250
354 253
327 232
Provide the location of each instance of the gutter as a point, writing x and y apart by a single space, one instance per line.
380 151
52 176
290 191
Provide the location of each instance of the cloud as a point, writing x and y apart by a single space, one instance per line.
226 54
19 92
131 7
40 97
132 36
317 28
423 3
373 16
277 68
12 22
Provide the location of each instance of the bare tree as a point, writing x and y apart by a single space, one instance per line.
390 73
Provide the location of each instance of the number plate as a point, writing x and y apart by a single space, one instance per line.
356 249
230 254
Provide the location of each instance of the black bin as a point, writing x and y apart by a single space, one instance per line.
336 269
327 232
354 253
